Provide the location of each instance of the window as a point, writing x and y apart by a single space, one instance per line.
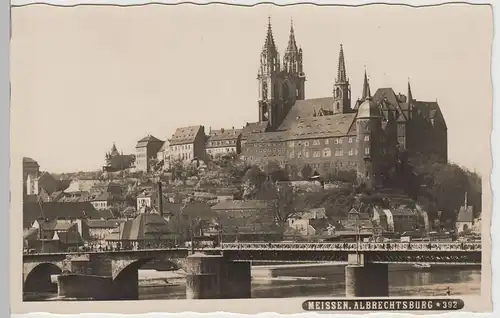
367 151
306 154
327 152
336 140
351 152
355 151
291 154
326 141
316 142
382 138
339 152
306 143
291 144
382 151
350 140
299 154
367 138
316 154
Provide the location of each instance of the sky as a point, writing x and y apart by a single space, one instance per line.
85 77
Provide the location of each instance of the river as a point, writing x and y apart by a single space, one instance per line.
317 281
405 282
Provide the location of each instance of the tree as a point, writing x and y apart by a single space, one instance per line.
306 172
252 181
283 200
275 173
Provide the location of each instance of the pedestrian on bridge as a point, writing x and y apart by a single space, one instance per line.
448 291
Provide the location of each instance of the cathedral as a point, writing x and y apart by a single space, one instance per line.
369 137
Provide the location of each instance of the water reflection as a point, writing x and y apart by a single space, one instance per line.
401 283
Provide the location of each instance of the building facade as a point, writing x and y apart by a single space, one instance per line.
330 133
223 141
146 149
188 143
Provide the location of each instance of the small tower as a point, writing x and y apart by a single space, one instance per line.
293 66
341 88
410 101
366 89
368 132
269 81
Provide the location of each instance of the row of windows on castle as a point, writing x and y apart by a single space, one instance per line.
326 152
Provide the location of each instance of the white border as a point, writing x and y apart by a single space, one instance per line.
4 159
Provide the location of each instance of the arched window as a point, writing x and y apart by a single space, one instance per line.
338 106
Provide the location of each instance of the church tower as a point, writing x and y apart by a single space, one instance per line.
293 67
341 88
269 77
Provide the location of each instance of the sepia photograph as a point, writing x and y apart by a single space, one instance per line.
219 152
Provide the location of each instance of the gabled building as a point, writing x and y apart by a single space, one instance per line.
223 141
465 218
188 143
146 149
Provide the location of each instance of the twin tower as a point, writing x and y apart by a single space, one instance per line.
282 84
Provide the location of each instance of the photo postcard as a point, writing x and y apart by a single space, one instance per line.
251 159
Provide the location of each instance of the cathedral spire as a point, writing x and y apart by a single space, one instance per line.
366 88
341 72
269 44
292 44
269 57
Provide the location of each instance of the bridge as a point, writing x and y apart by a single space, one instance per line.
113 274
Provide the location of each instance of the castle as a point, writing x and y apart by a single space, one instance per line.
330 134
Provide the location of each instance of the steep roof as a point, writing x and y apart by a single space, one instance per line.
28 160
146 226
252 128
321 126
224 134
201 210
72 237
267 137
146 140
305 108
55 210
107 196
241 205
465 214
185 135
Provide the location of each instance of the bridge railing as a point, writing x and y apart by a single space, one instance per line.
354 246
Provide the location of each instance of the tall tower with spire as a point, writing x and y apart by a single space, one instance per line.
269 77
293 66
341 88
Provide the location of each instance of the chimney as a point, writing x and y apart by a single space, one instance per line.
160 198
465 202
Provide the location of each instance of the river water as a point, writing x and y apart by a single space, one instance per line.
424 282
321 281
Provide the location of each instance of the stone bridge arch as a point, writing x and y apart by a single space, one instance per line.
37 276
126 267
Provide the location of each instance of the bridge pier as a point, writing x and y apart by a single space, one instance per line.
126 287
366 279
81 286
214 277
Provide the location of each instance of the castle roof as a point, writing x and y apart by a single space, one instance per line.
252 128
185 135
321 126
146 140
268 137
224 134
